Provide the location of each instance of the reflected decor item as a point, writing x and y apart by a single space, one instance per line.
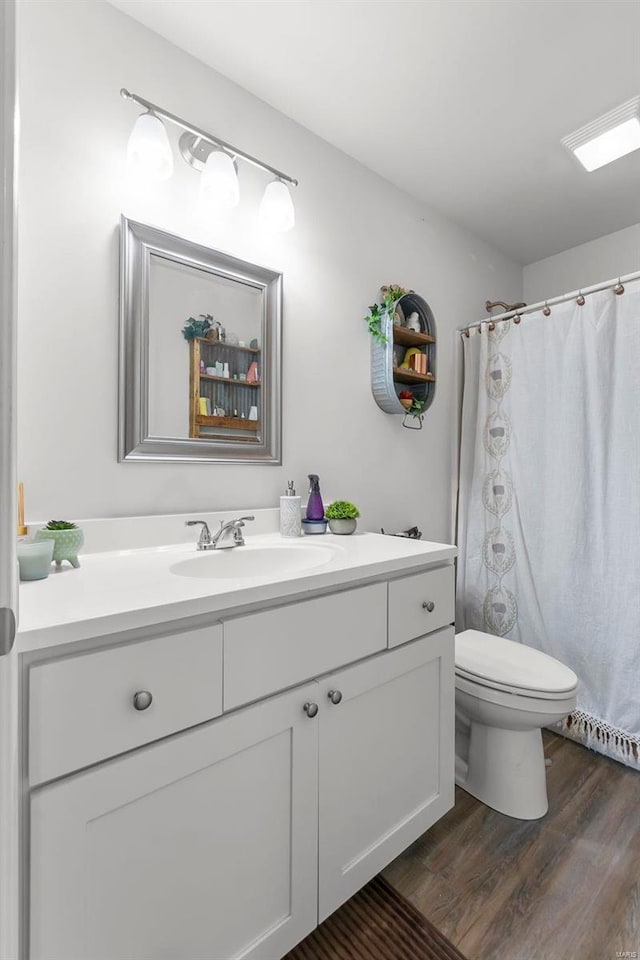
217 331
197 328
189 402
149 157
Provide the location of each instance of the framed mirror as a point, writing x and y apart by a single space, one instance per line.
200 352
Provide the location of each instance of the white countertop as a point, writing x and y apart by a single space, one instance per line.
128 589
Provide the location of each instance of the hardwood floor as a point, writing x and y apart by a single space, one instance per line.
566 887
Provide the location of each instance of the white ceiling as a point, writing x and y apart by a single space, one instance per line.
462 103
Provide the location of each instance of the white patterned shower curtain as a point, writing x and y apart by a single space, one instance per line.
549 515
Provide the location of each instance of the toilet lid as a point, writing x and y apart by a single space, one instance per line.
505 663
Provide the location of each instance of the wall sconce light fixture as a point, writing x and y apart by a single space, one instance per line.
149 157
219 185
149 153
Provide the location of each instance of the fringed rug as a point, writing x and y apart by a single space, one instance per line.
376 924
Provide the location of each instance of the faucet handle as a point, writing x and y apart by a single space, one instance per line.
238 539
205 534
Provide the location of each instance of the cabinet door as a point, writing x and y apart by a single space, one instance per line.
203 846
386 762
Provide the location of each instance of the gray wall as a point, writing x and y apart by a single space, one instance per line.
354 232
603 259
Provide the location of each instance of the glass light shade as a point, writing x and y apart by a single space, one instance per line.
149 155
277 213
219 185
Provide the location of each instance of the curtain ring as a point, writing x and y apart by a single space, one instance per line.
492 325
517 318
547 309
618 289
580 300
466 333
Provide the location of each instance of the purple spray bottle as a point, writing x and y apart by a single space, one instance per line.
315 506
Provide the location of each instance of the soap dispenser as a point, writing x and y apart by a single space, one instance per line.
290 512
315 507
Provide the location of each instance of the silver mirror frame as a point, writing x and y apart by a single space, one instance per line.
138 243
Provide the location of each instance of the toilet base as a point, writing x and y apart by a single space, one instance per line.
505 769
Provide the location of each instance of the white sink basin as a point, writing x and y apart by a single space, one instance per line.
239 563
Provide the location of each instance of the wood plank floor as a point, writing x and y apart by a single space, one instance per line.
566 887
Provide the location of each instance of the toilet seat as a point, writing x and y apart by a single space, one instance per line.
501 664
514 691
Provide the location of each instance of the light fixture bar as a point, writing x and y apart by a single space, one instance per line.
202 134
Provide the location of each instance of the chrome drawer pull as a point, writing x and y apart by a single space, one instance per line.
310 709
335 696
142 699
429 605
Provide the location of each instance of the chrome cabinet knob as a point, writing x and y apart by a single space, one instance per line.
429 605
310 709
142 699
335 696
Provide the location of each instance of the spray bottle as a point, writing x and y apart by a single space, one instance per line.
315 506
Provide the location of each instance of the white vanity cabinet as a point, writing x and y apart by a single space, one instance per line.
385 761
201 846
236 837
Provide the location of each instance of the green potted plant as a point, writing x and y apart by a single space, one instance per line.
378 311
342 517
67 538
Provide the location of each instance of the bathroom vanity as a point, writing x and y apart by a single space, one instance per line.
212 764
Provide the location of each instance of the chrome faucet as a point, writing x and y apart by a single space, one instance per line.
229 534
205 541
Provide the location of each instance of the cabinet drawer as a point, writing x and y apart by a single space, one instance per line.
411 613
81 708
274 649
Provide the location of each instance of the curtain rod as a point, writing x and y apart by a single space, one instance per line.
554 300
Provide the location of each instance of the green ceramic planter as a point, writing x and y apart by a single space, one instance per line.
67 544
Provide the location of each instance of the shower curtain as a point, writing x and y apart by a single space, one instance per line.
549 502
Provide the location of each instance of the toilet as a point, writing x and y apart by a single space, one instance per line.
505 694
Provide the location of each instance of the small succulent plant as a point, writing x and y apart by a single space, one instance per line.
61 525
342 510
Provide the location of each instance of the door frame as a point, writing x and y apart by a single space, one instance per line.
9 782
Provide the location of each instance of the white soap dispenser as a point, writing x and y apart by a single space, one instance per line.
290 513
